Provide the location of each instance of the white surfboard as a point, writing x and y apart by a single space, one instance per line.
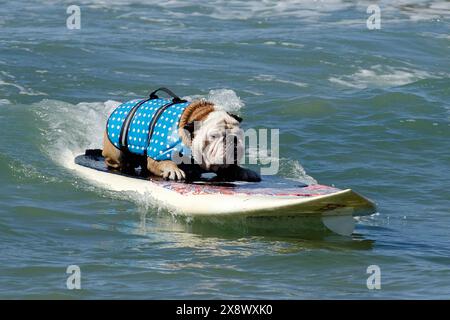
272 197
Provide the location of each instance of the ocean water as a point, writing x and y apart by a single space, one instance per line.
357 108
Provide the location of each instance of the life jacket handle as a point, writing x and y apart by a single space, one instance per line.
176 99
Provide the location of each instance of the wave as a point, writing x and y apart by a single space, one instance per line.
379 76
307 10
272 78
289 168
7 80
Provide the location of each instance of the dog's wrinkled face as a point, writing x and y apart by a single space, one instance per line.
217 141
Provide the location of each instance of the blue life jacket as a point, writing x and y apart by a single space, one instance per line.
139 116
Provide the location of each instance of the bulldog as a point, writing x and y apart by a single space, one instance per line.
175 140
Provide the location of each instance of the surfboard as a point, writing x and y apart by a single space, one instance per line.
272 197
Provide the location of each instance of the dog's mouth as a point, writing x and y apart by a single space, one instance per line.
222 152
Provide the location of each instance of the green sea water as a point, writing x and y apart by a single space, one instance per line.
356 108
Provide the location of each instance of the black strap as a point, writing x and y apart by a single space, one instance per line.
176 99
155 118
126 125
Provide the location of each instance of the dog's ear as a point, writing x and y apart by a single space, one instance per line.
189 127
239 119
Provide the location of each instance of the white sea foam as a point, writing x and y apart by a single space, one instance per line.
435 35
255 93
7 75
379 76
22 89
10 81
272 78
285 44
179 49
433 10
224 99
292 44
291 169
306 10
72 128
298 173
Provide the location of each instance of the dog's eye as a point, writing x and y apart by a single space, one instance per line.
214 136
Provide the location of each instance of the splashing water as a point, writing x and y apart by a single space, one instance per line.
224 99
73 128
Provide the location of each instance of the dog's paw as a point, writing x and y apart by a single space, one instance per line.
173 173
248 175
236 173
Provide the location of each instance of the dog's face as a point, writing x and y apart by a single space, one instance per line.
217 141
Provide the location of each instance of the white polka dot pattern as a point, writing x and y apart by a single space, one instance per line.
165 139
